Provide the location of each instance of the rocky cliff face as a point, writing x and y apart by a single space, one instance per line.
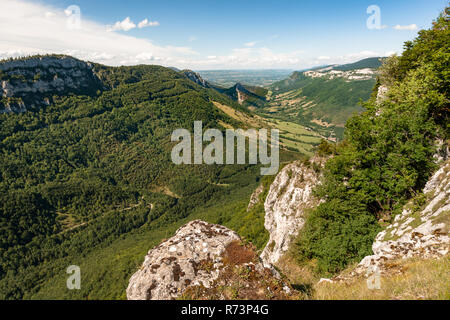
204 261
421 231
254 199
195 77
31 83
382 93
289 197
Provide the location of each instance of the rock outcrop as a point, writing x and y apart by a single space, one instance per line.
203 261
382 93
289 197
421 231
31 83
197 78
254 199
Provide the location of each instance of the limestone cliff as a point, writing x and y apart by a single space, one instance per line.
255 197
31 83
197 78
289 198
421 231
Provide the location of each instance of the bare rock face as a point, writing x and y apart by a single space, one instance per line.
418 232
32 82
382 93
195 77
290 195
201 259
254 199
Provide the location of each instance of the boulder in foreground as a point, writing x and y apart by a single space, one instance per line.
205 261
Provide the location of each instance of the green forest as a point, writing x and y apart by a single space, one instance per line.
387 155
88 180
306 100
91 172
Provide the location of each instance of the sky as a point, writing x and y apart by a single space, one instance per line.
213 34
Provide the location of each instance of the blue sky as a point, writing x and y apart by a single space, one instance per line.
213 34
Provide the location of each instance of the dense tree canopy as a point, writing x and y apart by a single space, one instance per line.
387 155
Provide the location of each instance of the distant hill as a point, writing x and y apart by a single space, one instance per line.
247 96
260 78
371 63
323 98
31 83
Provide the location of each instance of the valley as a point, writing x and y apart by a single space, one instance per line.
323 99
320 100
87 179
259 78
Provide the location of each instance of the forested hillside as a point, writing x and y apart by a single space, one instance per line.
86 176
387 157
90 170
324 98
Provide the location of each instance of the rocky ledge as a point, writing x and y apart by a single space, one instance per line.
205 261
289 197
421 231
31 83
197 78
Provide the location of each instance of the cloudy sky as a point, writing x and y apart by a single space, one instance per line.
213 34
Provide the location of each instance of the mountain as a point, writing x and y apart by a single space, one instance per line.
370 213
91 169
248 96
323 98
195 77
245 95
31 83
259 78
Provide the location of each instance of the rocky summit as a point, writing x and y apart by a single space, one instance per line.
203 261
31 83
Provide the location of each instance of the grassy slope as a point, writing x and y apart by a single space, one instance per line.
321 104
293 136
309 101
420 280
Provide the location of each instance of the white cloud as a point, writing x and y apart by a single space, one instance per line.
390 53
382 27
25 30
410 27
125 25
50 14
146 23
251 44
